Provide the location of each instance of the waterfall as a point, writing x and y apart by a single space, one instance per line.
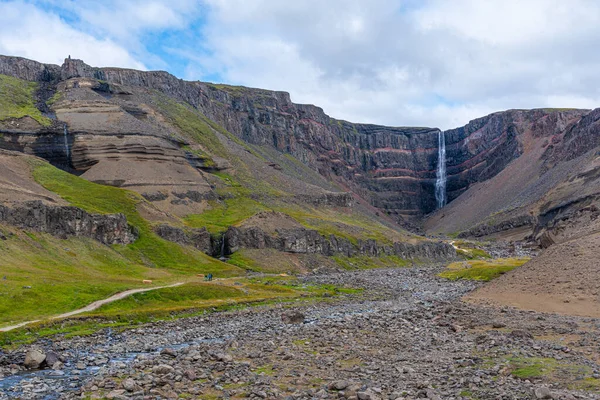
66 141
222 258
440 181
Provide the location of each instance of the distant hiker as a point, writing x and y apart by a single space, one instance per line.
210 277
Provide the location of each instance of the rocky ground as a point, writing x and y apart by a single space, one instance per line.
406 336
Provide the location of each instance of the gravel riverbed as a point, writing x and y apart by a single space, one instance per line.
406 336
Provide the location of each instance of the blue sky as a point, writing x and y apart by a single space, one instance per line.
433 63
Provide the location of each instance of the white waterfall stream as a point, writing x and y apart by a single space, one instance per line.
66 141
440 182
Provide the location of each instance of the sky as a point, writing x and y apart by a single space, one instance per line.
436 63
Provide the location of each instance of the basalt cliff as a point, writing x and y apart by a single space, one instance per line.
164 138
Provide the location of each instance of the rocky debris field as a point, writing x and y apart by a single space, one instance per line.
407 336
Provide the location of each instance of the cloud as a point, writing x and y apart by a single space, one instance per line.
27 31
432 63
396 62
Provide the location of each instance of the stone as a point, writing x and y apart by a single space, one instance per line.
542 392
433 395
367 395
190 374
169 352
339 385
520 334
129 385
293 317
223 357
163 369
34 359
51 359
117 394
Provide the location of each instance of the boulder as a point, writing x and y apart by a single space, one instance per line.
293 317
34 359
51 359
162 369
542 392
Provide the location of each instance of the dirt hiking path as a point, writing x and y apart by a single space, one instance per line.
93 306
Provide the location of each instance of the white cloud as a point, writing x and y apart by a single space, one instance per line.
435 63
396 62
27 31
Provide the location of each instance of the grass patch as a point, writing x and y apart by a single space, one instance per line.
17 100
265 370
56 97
575 376
482 270
275 262
469 250
225 213
192 124
241 260
189 300
527 368
291 283
42 276
194 295
344 223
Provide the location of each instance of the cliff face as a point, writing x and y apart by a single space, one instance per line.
68 221
393 167
303 241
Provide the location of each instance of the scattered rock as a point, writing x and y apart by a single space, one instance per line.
293 317
162 369
51 359
542 392
169 352
520 334
129 385
339 385
34 359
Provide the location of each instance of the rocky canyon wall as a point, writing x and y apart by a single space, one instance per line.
393 167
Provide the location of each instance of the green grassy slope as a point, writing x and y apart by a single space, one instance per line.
41 275
149 249
68 274
17 100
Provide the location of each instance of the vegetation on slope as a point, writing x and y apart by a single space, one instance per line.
42 275
149 249
196 295
469 250
482 270
17 100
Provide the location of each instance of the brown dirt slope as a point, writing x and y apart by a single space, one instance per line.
16 182
564 279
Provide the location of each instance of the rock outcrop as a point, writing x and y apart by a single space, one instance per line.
392 167
69 221
508 224
307 241
199 238
300 240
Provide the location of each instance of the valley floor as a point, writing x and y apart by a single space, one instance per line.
408 335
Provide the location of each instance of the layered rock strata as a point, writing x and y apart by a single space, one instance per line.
393 167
